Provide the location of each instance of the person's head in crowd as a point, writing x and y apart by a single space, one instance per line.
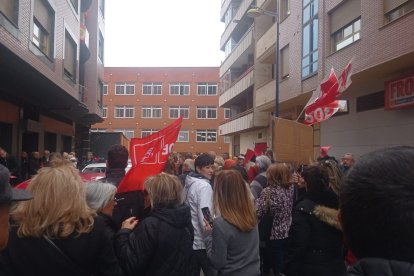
65 155
169 166
213 154
241 160
225 156
269 153
242 172
335 174
24 155
377 205
279 174
3 153
7 196
56 156
117 157
347 160
35 155
231 199
46 153
229 163
89 155
218 163
316 179
100 196
164 190
204 165
262 163
58 208
188 165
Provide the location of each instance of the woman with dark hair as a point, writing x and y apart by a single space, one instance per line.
232 242
315 239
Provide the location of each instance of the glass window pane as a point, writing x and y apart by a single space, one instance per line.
348 31
315 34
315 7
306 14
306 40
357 25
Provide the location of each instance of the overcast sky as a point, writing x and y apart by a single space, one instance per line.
163 33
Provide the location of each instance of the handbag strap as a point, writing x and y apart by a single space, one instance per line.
69 260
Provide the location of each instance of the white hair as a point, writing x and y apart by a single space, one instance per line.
99 194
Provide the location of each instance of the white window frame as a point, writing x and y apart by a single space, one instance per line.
148 131
347 39
206 110
125 109
104 112
151 109
227 113
183 89
180 110
206 86
124 88
205 134
185 134
105 89
154 87
97 130
128 132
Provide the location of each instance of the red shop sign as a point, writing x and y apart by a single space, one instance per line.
399 93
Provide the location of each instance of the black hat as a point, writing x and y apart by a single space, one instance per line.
7 194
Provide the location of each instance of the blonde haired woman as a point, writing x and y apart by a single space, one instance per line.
233 244
56 233
276 200
162 242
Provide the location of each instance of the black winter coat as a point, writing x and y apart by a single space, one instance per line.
375 267
315 243
162 244
89 254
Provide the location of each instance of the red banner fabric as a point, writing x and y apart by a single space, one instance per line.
248 156
325 105
148 156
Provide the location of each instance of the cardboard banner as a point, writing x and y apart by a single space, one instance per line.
148 156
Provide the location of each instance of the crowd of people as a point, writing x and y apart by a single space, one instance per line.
215 214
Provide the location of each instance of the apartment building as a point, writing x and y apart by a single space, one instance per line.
51 72
315 36
139 101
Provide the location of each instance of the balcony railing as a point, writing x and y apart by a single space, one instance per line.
244 121
241 84
265 46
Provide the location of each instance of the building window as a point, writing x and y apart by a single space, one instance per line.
124 88
179 88
394 9
227 139
206 135
284 9
347 35
124 111
129 133
105 112
227 113
105 92
284 67
206 89
101 5
309 37
43 27
148 132
206 112
151 111
152 88
71 53
177 111
98 130
371 101
183 136
75 5
10 9
101 47
100 93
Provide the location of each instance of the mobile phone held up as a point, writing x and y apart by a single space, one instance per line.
207 215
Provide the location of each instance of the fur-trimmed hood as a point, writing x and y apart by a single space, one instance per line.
328 216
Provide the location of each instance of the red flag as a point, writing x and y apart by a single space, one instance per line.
148 156
248 156
326 104
259 148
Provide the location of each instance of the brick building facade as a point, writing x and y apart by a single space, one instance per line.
141 100
51 73
315 36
